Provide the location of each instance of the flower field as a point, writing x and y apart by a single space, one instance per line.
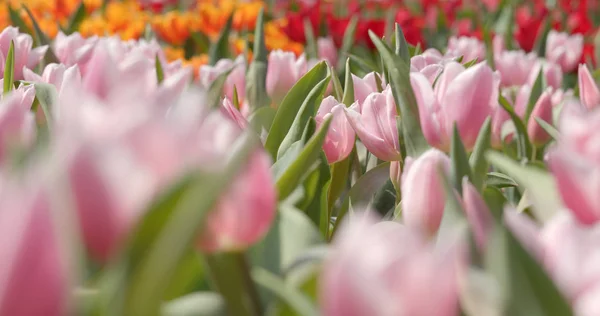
335 158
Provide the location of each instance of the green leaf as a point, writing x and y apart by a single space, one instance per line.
414 140
524 145
505 24
415 50
215 91
489 47
527 288
307 110
348 41
220 49
471 63
339 180
261 119
316 188
293 101
597 47
542 36
17 21
495 201
478 163
536 92
337 85
401 45
42 39
47 96
199 303
499 180
256 87
291 177
540 185
9 69
348 98
76 18
368 65
311 49
553 132
294 298
460 162
160 75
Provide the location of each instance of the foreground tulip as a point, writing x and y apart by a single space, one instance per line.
470 48
25 56
364 86
340 138
33 278
236 78
564 49
284 70
575 163
375 124
589 94
423 193
465 97
388 269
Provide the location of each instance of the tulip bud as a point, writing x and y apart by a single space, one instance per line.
396 174
284 70
543 110
375 125
423 192
327 50
589 94
465 97
233 113
564 49
364 86
478 214
340 138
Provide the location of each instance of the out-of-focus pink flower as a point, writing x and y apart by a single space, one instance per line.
233 113
327 50
17 122
364 86
284 70
551 72
236 78
564 49
498 45
73 49
388 269
515 67
340 137
25 56
465 97
34 265
478 214
469 48
396 174
575 163
375 124
542 110
430 64
58 75
499 118
423 193
589 94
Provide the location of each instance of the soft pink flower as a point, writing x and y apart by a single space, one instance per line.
364 86
229 109
478 214
465 97
564 49
423 193
327 50
430 63
73 49
284 70
340 138
469 48
375 124
589 94
542 110
236 78
17 122
515 67
551 72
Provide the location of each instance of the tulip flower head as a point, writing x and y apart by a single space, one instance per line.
284 70
25 54
564 49
340 138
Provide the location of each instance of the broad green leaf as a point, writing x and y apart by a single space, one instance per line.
76 18
348 98
311 49
42 39
414 140
194 304
542 37
460 162
495 200
256 87
338 91
160 75
471 63
261 119
293 101
499 180
340 172
536 92
478 163
454 215
525 284
524 145
294 298
291 177
366 64
17 21
316 188
541 185
401 48
215 91
348 41
9 69
220 49
553 132
307 110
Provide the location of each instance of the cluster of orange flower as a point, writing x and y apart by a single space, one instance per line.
129 20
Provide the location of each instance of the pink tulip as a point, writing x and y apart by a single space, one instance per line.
25 54
388 269
73 49
428 64
327 50
284 70
396 174
17 123
515 67
589 93
465 97
542 110
499 118
575 163
236 78
340 138
469 48
551 72
229 109
423 193
564 49
33 274
375 124
498 45
478 214
364 86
